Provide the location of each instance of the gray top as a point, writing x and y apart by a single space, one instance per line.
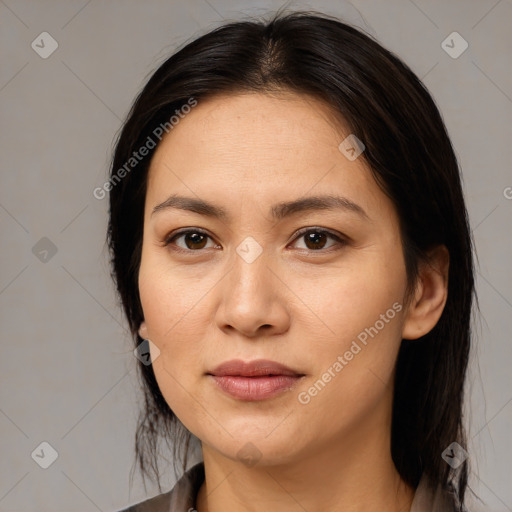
182 497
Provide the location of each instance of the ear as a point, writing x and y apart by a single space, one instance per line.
143 331
430 295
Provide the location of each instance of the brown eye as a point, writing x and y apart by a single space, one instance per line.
316 239
193 240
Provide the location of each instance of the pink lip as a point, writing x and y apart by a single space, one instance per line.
254 380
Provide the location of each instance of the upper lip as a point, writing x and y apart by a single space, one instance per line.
259 367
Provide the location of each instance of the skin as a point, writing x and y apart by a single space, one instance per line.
299 304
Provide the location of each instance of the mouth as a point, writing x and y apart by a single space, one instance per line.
254 380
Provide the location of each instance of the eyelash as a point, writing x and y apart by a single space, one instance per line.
341 241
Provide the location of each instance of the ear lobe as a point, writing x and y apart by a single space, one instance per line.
143 330
430 295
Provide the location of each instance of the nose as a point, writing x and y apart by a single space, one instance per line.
253 301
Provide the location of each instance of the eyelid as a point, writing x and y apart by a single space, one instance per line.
184 231
340 238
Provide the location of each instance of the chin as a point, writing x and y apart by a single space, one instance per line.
254 448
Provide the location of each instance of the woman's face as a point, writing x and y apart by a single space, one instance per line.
250 285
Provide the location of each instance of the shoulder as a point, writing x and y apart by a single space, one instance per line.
434 498
181 498
160 503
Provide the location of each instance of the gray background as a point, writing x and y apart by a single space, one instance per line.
67 370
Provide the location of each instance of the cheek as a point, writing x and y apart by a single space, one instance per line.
360 310
346 300
172 302
168 306
167 297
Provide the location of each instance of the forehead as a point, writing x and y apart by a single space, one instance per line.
259 145
254 121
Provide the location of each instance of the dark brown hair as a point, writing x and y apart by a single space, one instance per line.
411 157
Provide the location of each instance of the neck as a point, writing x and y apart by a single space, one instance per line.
353 475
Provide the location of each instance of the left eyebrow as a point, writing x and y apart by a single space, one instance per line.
278 211
325 202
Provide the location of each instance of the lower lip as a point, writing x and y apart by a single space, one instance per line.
255 388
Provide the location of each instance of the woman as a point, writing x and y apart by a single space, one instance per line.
291 246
